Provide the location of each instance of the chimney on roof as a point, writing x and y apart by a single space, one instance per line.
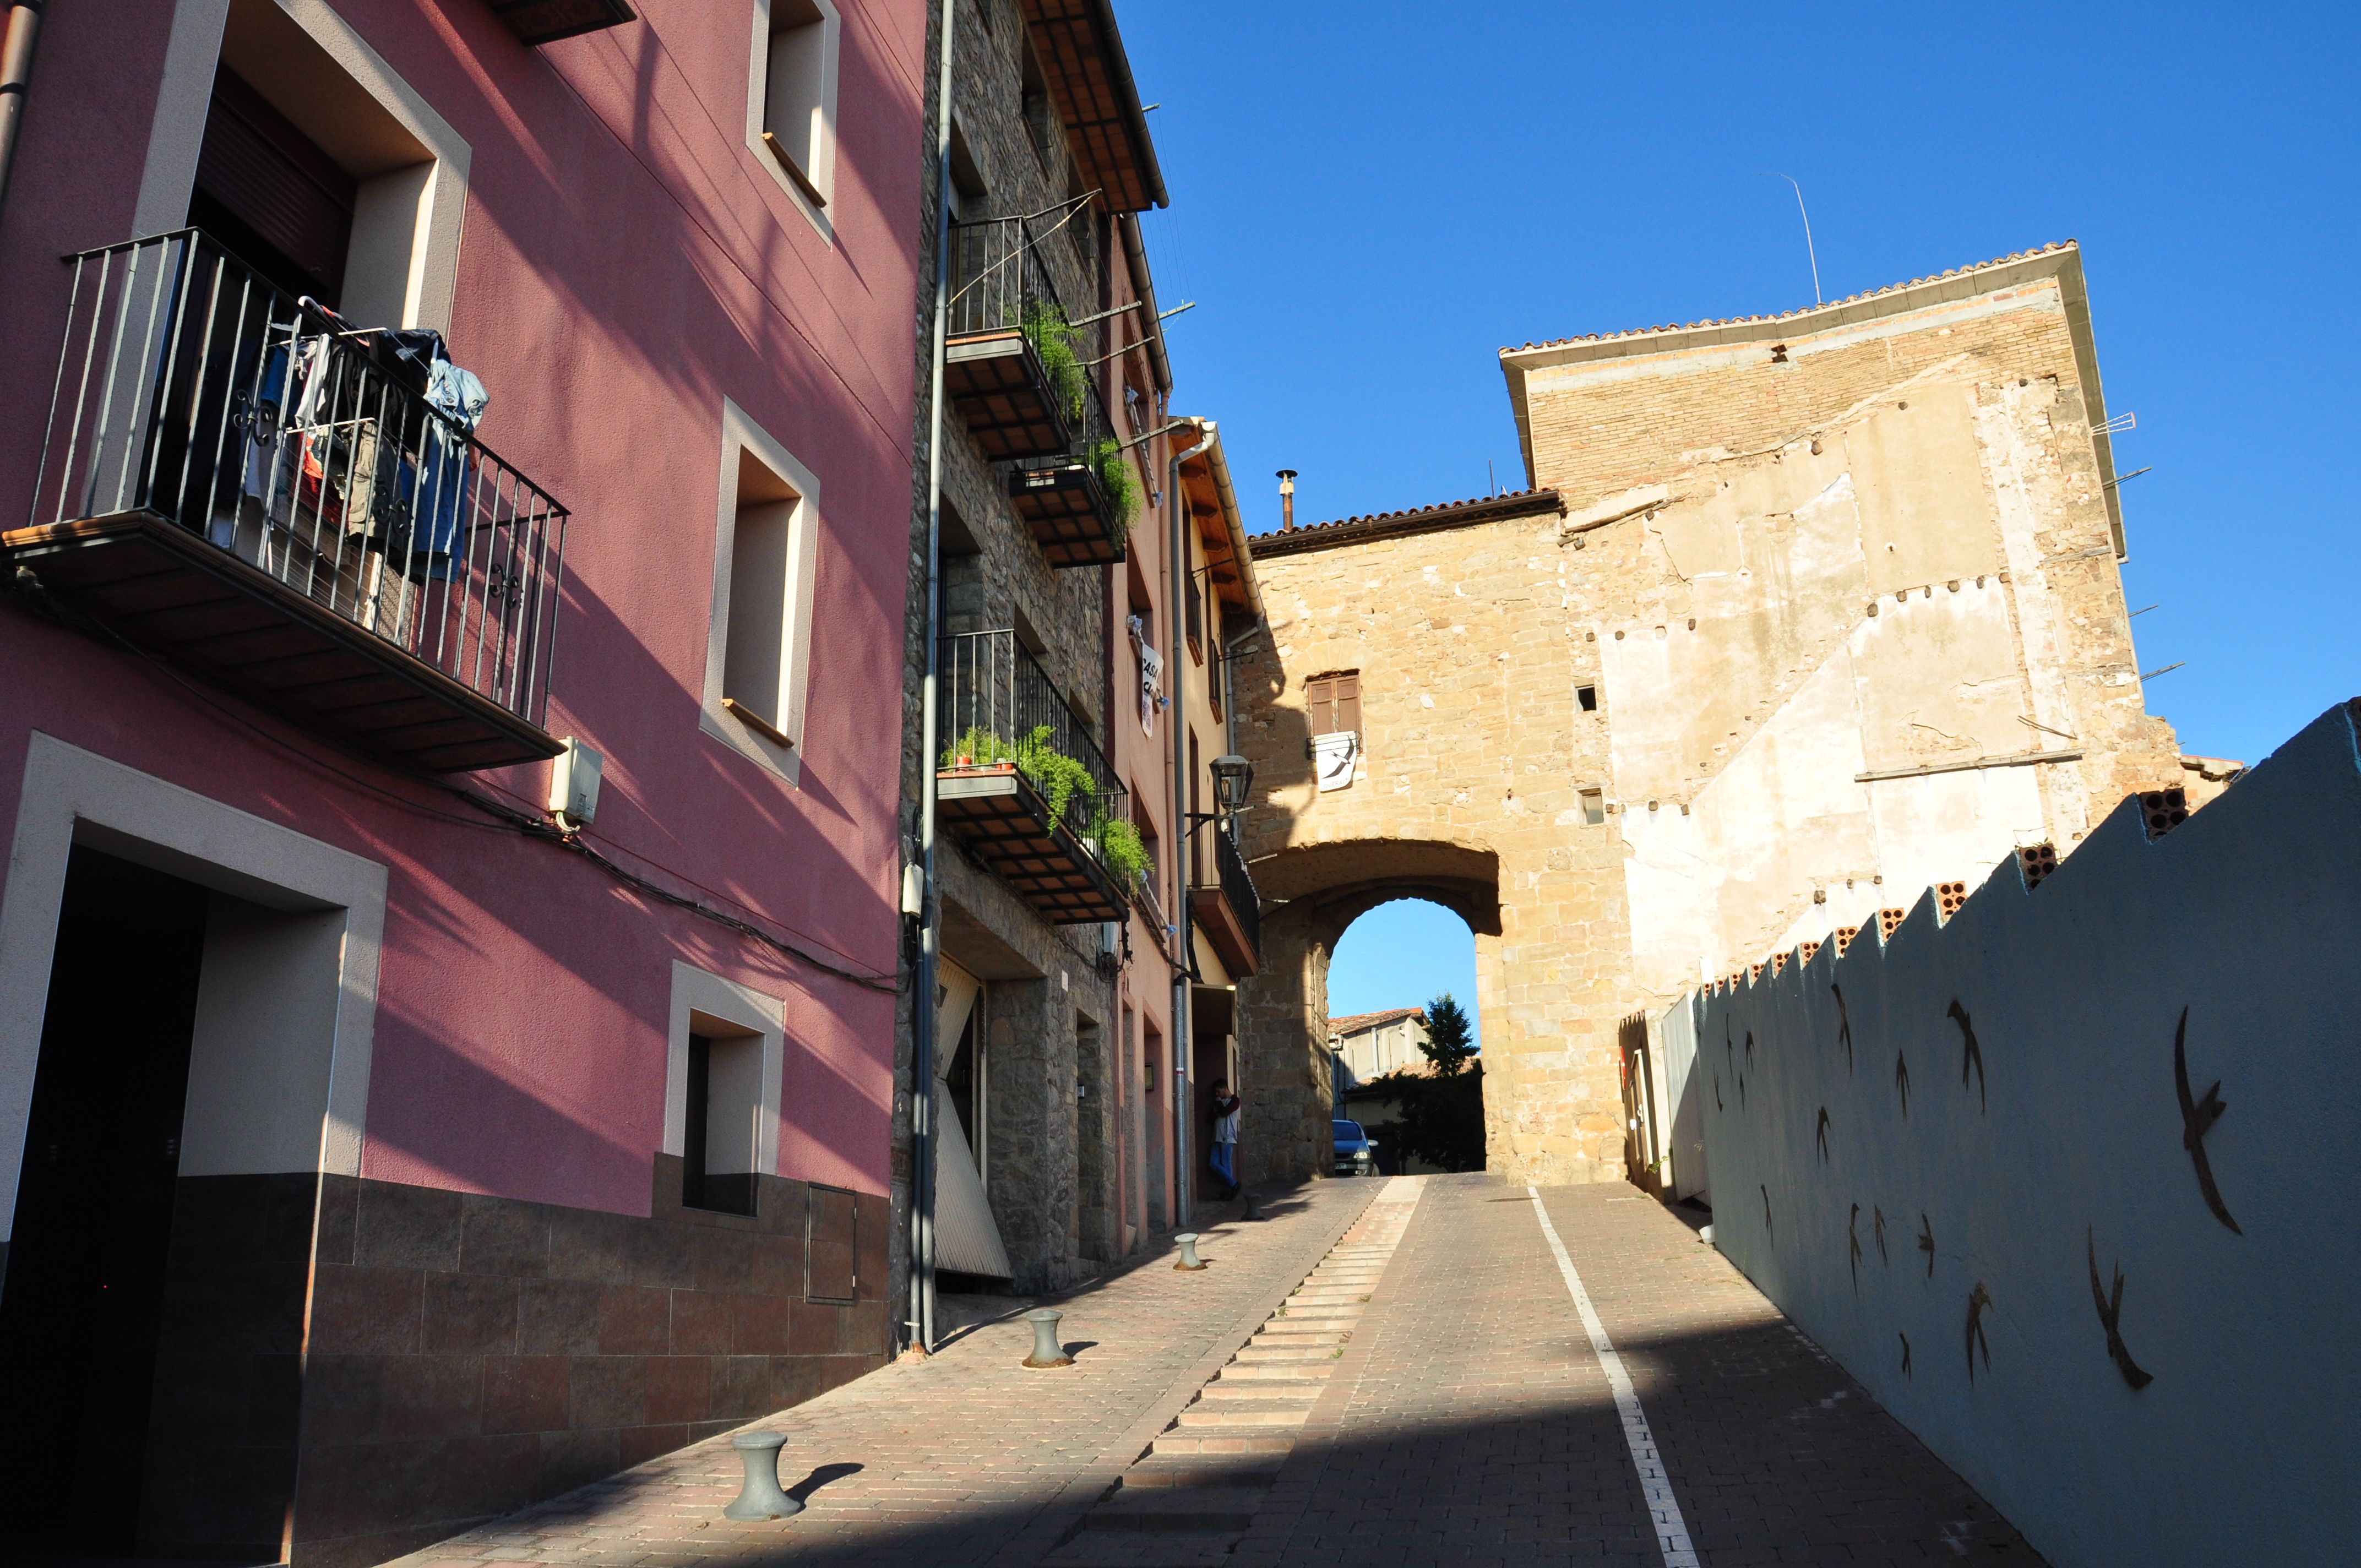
1287 500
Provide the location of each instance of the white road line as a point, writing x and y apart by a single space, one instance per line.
1671 1532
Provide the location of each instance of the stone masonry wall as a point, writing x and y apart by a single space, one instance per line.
1823 596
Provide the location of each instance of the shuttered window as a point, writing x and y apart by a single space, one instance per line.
1336 703
288 205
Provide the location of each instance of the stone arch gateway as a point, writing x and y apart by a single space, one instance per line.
1801 617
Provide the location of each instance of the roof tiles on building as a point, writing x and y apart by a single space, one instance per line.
1412 520
1353 1023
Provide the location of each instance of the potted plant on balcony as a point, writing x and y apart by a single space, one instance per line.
1046 328
1119 848
1059 777
1120 484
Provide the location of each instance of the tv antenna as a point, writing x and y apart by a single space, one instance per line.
1813 254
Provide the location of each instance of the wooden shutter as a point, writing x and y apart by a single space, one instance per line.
1348 702
1322 695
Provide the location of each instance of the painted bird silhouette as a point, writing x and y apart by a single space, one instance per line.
2197 1119
1905 1353
1824 1137
2111 1313
1971 1054
1978 1299
1926 1241
1766 1211
1902 1081
1749 1047
1852 1235
1717 1092
1880 1214
1741 1092
1844 1026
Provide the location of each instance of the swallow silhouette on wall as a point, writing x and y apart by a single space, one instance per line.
1971 1054
1978 1299
1926 1241
2111 1313
1741 1092
1749 1047
1767 1229
1880 1214
2197 1119
1905 1353
1852 1235
1844 1026
1728 1049
1717 1092
1824 1137
1902 1081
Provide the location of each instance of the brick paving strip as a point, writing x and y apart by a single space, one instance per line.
1470 1420
1189 1499
965 1458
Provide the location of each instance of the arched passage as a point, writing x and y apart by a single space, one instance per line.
1311 894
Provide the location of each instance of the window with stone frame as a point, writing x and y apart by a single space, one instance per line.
1335 702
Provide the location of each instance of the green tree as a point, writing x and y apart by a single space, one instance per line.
1442 1115
1447 1043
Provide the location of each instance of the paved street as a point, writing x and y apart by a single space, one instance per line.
1430 1396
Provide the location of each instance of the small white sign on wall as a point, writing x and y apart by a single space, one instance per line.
1334 758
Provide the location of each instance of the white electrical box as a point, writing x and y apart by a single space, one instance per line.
574 783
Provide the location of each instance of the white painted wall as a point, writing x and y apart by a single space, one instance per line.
2245 1446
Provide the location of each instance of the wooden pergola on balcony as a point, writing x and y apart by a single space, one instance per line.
245 486
1001 716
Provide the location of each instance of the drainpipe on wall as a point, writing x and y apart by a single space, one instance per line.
920 1327
16 75
1184 1046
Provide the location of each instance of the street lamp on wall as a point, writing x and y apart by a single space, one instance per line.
1232 776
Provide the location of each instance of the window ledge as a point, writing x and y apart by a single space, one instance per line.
756 722
795 171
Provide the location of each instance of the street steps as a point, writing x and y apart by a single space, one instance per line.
1186 1502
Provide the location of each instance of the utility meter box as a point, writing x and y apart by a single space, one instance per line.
574 783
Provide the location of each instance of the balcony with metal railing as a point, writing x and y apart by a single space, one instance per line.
1010 367
1227 909
1021 781
243 484
1020 369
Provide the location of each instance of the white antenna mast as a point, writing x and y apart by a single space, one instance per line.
1809 251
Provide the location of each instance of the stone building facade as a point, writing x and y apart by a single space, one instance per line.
1803 616
1055 1065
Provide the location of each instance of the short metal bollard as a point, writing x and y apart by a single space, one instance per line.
1047 1351
761 1498
1189 1258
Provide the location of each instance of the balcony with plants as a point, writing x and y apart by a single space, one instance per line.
1010 363
245 486
1021 783
1079 503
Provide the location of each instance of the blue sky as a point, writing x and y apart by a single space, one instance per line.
1370 200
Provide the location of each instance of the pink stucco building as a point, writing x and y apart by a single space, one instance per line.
381 1150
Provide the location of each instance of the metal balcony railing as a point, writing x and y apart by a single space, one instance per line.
997 704
1237 886
191 390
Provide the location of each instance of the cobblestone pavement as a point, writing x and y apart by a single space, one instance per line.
966 1458
1428 1397
1470 1421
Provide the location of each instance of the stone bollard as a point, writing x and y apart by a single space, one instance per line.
1189 1258
1252 1211
761 1498
1047 1351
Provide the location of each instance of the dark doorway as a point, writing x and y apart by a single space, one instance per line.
81 1308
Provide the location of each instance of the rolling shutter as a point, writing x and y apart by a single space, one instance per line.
278 182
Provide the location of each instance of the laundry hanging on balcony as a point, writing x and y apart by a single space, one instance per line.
1151 675
332 445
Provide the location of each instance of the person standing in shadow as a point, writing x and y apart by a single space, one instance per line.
1224 1158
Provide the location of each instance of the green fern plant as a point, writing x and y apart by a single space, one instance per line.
1119 482
978 747
1046 328
1120 847
1059 777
